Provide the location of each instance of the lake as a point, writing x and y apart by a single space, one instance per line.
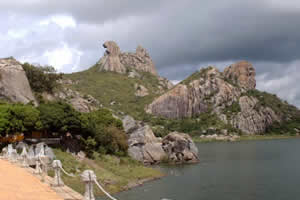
248 170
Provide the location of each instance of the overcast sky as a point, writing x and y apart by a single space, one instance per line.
181 36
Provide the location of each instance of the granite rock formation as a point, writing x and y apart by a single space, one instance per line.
14 85
116 61
180 148
210 90
111 59
242 74
145 147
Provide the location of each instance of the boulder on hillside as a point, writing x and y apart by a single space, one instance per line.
111 59
140 90
114 60
14 85
242 74
180 148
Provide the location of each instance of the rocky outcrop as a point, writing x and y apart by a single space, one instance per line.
253 119
14 85
242 74
111 59
81 103
140 90
114 60
180 148
145 147
195 97
140 61
212 91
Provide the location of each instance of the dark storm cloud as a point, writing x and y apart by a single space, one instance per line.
181 36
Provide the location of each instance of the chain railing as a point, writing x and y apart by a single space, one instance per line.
42 163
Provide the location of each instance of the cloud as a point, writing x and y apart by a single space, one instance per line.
181 36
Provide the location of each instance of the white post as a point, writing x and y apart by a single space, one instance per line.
57 177
24 157
38 169
88 177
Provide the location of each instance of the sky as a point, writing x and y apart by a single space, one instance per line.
180 36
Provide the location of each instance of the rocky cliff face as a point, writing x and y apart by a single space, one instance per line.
14 85
114 60
242 74
221 93
145 147
111 59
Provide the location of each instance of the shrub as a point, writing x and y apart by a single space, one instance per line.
42 79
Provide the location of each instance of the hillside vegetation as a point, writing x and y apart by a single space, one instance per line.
116 174
115 91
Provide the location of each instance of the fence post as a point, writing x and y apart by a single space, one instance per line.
57 177
24 157
88 177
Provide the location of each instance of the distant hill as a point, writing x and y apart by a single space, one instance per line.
230 99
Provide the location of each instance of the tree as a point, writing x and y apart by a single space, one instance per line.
42 79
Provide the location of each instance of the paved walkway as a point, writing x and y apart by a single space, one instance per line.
18 184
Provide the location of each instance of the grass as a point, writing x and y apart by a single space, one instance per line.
116 174
110 87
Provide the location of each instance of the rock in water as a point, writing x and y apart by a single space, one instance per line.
14 85
180 148
145 147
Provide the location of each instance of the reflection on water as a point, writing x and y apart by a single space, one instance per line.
253 170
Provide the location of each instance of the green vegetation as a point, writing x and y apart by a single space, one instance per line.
116 174
16 118
196 76
289 114
205 123
116 91
41 79
100 131
233 109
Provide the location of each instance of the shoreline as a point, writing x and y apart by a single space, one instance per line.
246 138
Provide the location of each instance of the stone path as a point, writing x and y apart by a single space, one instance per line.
17 183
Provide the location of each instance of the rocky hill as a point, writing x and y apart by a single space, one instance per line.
14 85
123 82
230 95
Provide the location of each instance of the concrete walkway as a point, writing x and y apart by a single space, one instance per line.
18 184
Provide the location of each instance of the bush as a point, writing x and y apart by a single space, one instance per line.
42 79
18 118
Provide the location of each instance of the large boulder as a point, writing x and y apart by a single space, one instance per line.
14 85
180 148
116 61
140 61
145 147
111 59
242 74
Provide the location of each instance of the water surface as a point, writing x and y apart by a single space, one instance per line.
250 170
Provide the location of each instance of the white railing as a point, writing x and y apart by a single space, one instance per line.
42 163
